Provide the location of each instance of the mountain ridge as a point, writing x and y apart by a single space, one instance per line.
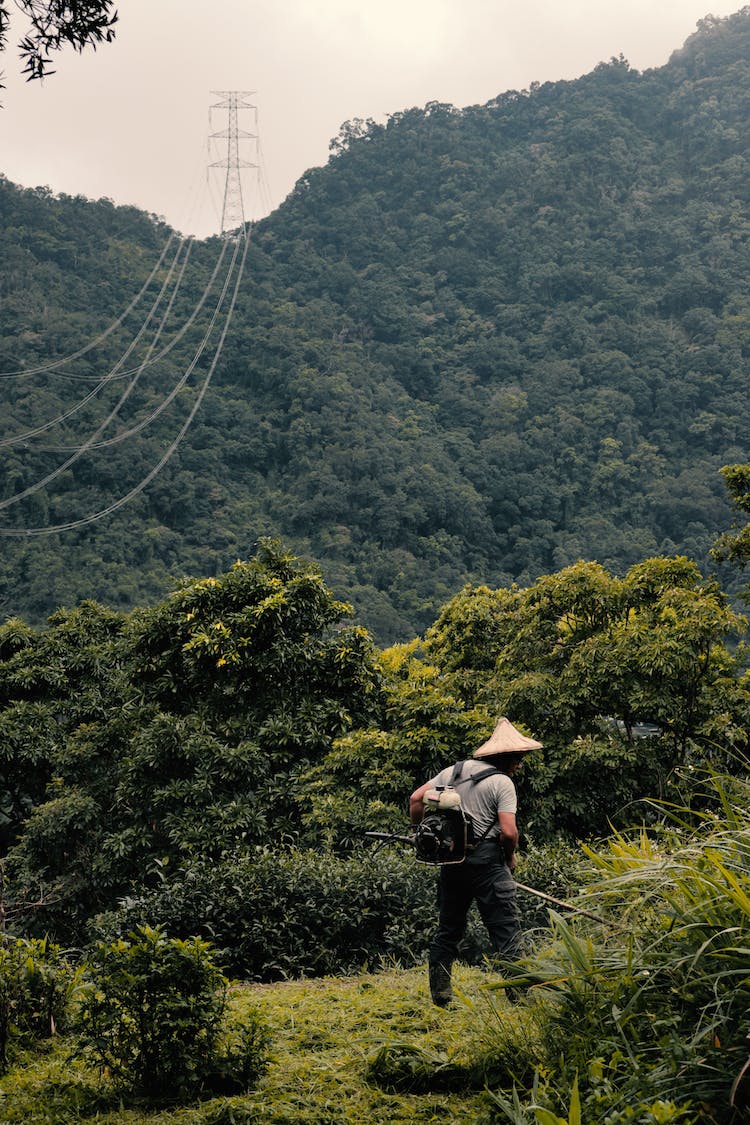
477 345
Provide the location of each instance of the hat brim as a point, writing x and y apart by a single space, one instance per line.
506 739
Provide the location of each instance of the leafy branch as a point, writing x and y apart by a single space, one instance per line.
55 24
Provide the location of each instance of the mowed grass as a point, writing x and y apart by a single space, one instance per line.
325 1036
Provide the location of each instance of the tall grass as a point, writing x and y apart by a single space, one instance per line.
648 1021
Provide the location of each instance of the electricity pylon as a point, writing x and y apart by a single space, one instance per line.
233 211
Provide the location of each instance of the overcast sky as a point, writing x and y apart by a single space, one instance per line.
131 121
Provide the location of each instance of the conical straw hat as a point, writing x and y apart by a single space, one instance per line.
505 739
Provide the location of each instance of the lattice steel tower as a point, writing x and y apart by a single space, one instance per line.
233 211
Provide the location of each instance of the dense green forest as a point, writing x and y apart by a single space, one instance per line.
480 344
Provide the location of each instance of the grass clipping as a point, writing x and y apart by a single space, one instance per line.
371 1048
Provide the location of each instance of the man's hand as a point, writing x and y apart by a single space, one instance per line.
512 862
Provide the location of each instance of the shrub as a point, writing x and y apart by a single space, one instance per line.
37 982
278 913
240 1058
153 1016
287 913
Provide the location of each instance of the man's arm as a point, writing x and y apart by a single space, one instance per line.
508 837
416 803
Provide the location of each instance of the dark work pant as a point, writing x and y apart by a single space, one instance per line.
485 879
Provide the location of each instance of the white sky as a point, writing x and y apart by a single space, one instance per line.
131 120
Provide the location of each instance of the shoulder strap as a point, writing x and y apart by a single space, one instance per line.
474 778
485 773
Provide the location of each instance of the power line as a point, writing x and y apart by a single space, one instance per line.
44 368
266 197
117 438
232 215
114 373
37 531
78 453
168 347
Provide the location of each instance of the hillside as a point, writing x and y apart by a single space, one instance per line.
480 343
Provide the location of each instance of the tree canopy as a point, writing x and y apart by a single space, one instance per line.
244 712
734 545
141 740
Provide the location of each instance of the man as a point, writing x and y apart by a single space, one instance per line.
485 876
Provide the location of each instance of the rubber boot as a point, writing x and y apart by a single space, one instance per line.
440 985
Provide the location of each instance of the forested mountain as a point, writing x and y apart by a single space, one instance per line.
479 344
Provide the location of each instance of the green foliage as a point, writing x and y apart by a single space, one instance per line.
278 913
735 545
265 640
323 1035
469 634
218 698
410 1068
54 26
152 1015
659 1016
480 345
558 868
423 725
241 1055
37 983
51 681
281 912
241 711
582 658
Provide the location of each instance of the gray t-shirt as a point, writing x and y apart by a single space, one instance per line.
483 800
